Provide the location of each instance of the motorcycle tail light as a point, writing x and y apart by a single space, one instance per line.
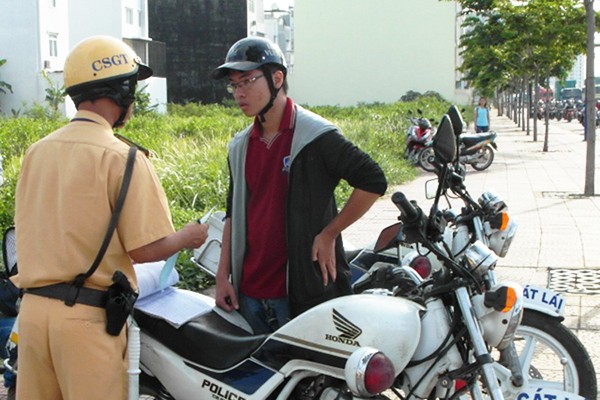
422 265
368 372
460 384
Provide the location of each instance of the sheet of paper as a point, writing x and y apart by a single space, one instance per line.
176 306
148 277
167 270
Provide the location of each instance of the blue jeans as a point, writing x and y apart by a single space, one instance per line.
264 315
481 129
6 324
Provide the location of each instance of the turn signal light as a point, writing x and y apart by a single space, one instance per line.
500 221
502 299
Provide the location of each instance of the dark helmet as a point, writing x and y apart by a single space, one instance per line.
424 123
255 53
251 53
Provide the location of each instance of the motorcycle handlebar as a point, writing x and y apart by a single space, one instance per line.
408 210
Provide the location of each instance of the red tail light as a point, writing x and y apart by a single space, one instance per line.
459 384
368 372
422 265
379 375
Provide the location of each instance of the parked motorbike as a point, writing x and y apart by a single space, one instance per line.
182 347
543 355
419 138
474 149
449 360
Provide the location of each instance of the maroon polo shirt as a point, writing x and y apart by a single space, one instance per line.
267 169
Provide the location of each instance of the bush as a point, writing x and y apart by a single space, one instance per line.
189 152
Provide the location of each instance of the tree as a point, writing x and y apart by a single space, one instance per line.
3 85
508 42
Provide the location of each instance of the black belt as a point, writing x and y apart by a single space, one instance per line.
62 291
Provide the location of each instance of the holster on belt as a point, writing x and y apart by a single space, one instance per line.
119 303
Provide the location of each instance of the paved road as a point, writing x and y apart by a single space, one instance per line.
558 239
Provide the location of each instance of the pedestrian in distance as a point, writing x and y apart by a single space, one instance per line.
481 116
282 252
68 187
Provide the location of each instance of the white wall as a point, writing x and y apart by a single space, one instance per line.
157 87
89 18
24 29
25 46
351 51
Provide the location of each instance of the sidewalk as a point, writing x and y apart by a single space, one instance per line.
558 240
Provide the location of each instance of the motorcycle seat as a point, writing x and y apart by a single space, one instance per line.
208 340
471 139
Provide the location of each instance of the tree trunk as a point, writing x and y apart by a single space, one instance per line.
529 103
536 94
545 147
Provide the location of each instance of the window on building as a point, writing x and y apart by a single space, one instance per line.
129 15
52 3
251 5
53 44
140 13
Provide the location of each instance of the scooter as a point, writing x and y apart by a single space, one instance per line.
477 149
419 137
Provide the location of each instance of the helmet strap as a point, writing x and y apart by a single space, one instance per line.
274 91
125 96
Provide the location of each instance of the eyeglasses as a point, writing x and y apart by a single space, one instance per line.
243 84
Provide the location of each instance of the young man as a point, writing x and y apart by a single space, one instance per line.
282 252
65 196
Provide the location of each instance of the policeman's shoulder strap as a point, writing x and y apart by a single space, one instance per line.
80 279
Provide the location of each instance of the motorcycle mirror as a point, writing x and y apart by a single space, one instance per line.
444 143
458 123
431 187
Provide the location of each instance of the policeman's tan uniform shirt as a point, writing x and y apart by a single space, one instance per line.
67 190
65 195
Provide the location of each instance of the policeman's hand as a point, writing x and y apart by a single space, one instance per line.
225 296
323 252
194 234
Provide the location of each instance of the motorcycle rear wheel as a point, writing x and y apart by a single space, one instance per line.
553 357
485 159
426 157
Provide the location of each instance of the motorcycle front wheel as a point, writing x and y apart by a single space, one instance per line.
553 357
426 157
484 159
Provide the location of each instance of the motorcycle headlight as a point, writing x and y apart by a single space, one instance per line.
499 312
480 258
491 202
501 239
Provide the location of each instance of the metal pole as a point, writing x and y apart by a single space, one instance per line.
590 101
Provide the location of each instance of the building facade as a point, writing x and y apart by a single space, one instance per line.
37 35
354 51
197 34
